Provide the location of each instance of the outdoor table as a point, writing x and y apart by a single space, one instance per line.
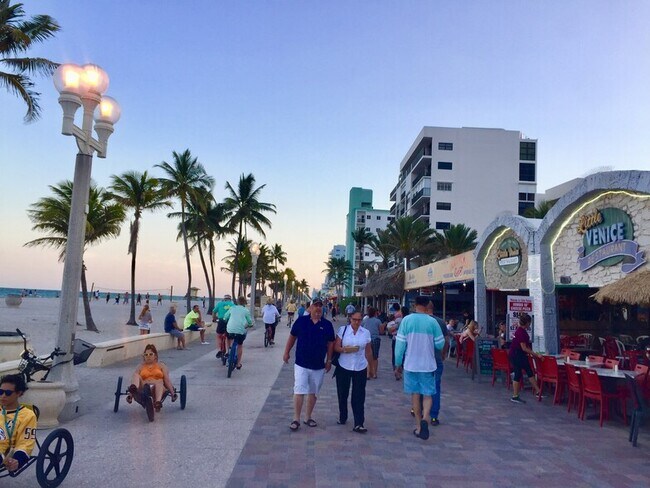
586 351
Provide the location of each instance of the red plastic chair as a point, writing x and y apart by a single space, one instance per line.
551 374
574 356
575 388
592 389
612 363
632 359
596 360
501 362
468 354
565 352
643 380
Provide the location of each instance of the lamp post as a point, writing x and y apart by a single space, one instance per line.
255 254
365 297
375 267
284 293
79 86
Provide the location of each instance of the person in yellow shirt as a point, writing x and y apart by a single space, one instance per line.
291 310
17 424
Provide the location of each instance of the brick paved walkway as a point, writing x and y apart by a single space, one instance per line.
483 441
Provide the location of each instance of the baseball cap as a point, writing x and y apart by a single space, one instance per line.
317 301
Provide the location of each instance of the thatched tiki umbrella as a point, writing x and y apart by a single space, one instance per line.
385 283
634 289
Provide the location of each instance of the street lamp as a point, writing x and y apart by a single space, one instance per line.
255 254
365 297
284 293
79 86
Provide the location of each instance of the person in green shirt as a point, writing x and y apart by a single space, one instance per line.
193 322
218 315
238 319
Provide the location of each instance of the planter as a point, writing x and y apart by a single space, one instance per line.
11 346
13 300
49 397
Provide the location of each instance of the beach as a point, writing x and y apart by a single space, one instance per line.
38 317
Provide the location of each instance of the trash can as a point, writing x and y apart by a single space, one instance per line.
82 351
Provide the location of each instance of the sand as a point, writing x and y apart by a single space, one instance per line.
37 317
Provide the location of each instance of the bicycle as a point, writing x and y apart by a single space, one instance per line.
30 363
230 358
289 319
267 336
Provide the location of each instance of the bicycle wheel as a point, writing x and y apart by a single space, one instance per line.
54 458
266 337
232 359
183 391
147 399
118 394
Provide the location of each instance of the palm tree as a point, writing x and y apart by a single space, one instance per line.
17 35
246 210
279 257
455 240
185 177
140 192
303 286
338 272
409 237
540 211
216 218
238 260
362 237
382 247
51 215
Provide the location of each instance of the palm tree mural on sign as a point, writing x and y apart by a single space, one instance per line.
17 36
184 178
246 210
51 215
138 192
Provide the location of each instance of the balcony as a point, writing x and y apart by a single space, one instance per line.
423 217
423 193
421 177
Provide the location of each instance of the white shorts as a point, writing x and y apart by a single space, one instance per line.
307 381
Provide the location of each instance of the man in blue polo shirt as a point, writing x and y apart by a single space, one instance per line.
315 342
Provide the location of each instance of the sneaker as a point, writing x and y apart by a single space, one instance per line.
219 354
517 400
435 421
205 342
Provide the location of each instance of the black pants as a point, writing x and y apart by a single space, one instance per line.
358 379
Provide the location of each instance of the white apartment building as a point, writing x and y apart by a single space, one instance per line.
337 252
466 176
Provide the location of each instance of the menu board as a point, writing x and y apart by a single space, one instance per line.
484 359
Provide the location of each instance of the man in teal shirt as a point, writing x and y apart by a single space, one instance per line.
218 315
238 319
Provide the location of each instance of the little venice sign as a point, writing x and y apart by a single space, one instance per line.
608 239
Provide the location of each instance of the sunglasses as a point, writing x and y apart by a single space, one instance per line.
147 354
7 392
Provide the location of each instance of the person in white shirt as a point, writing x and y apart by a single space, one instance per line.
270 316
353 342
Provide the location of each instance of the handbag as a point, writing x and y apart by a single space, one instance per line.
337 355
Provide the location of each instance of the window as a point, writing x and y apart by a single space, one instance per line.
367 228
526 171
527 151
443 206
444 186
378 217
525 205
367 254
443 225
445 146
531 197
526 197
444 165
390 218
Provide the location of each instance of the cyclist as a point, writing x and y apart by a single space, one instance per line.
151 372
18 424
291 310
270 316
218 314
238 319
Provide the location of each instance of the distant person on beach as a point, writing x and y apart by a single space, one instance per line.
126 298
108 297
172 328
193 322
219 314
146 297
145 320
159 302
117 299
151 372
315 338
139 300
97 295
17 425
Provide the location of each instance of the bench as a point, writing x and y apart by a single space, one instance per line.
117 350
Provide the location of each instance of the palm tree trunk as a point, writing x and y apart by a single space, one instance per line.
205 269
188 298
90 323
133 249
214 284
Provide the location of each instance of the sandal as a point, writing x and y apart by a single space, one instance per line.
174 397
129 398
310 422
295 425
157 406
238 366
424 430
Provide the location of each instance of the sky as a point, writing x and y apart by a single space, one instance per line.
314 98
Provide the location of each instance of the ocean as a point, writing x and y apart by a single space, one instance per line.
32 292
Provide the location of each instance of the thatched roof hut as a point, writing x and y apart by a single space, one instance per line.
387 282
634 289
